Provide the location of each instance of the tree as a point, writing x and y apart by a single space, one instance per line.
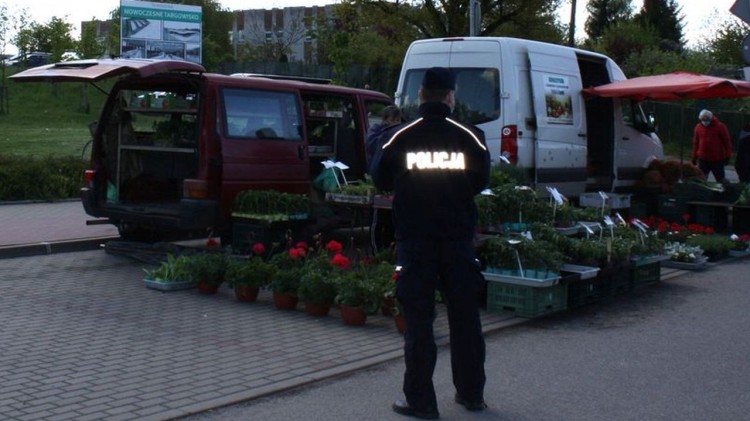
622 40
533 19
89 46
605 13
725 48
53 37
663 16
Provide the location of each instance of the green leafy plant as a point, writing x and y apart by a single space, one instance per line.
363 286
208 268
316 287
174 269
714 246
270 205
253 271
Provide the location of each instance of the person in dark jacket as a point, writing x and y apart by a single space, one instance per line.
435 166
742 161
391 116
712 146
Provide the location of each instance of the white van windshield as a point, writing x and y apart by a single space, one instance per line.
477 94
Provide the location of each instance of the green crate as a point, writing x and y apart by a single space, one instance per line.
584 291
615 281
645 274
526 301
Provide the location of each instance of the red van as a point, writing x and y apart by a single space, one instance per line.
174 144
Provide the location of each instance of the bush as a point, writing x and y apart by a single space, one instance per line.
46 178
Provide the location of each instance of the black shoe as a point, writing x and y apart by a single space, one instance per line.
470 405
402 407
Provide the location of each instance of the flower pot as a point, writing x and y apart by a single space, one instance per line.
207 288
284 301
386 307
400 323
246 293
317 310
353 316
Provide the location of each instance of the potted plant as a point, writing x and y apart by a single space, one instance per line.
289 267
172 274
247 276
740 245
208 269
714 246
317 291
360 291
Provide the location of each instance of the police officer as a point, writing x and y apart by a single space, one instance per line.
435 166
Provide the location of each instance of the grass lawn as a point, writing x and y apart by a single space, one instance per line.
45 119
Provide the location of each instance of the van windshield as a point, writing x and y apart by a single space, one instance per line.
477 94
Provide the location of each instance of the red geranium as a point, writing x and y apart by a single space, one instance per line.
258 249
334 246
340 260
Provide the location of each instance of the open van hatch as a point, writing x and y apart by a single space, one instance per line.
94 70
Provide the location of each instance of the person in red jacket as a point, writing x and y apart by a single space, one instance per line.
712 147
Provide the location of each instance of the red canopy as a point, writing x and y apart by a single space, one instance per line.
673 86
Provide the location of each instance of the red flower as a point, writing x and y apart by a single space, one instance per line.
295 254
258 249
302 252
663 226
334 246
301 245
686 217
340 260
210 243
394 276
745 237
709 230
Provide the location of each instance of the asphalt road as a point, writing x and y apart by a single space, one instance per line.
675 351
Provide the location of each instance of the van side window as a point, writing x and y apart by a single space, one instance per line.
261 114
633 116
477 94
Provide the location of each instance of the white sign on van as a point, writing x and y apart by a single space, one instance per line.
160 31
558 99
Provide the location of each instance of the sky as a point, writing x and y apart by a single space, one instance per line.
697 13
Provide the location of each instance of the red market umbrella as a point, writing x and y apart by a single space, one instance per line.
673 86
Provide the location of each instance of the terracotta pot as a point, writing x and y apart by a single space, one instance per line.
317 310
400 323
353 316
386 307
284 301
207 287
246 293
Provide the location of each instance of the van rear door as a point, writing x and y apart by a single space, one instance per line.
94 70
560 144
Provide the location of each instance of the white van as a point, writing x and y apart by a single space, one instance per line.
527 97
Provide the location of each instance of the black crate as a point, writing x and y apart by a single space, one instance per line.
672 207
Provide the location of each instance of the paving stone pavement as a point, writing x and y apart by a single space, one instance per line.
83 339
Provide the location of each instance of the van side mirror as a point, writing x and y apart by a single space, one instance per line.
651 123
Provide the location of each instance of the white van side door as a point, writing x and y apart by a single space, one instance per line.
560 145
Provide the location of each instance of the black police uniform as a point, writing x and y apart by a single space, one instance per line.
435 166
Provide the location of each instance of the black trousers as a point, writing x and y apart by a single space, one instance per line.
452 268
716 167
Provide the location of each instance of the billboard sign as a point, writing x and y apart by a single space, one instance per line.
160 31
